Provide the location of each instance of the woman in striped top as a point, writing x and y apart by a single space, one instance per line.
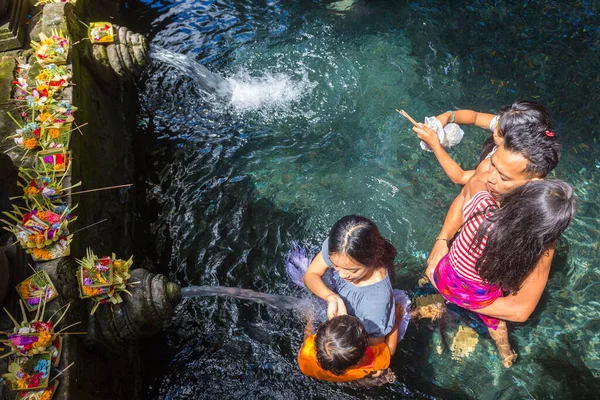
499 246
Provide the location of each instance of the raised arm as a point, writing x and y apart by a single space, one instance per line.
467 117
313 280
451 167
518 307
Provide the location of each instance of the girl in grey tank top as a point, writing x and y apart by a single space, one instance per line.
360 263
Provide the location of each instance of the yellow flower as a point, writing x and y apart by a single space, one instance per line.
45 117
44 339
23 290
43 76
41 254
91 291
54 132
47 395
30 143
32 191
21 384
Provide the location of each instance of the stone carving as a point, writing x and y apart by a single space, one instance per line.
127 56
141 315
13 14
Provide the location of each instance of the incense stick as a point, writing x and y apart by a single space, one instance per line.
98 189
408 117
89 226
61 372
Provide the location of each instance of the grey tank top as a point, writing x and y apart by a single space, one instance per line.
373 304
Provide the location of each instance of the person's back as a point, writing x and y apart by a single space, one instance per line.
499 249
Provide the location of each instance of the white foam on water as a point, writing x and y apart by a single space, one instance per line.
269 92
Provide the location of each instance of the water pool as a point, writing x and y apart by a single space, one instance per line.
309 135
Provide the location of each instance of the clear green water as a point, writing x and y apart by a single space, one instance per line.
311 135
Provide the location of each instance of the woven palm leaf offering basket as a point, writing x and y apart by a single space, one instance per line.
42 232
103 279
53 49
101 32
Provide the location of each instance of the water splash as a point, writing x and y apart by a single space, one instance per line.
245 92
267 92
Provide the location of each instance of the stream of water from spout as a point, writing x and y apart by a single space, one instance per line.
273 300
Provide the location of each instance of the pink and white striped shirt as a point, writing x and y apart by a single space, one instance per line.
462 257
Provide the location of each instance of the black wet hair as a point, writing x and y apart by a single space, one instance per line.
527 130
341 343
358 238
530 218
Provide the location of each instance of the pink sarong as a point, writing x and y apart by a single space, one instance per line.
464 292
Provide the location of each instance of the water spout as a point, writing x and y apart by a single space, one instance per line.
273 300
209 82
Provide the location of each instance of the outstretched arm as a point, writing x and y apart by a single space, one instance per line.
451 167
518 307
467 117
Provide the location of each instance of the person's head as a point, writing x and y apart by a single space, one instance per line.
531 117
341 343
531 217
522 158
524 118
356 248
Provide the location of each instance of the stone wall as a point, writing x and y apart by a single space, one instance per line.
107 358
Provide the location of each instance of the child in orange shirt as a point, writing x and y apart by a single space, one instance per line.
339 351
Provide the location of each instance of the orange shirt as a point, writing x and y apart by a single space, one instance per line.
376 357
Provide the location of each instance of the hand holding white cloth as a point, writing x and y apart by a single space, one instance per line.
449 136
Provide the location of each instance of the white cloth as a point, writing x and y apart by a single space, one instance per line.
449 136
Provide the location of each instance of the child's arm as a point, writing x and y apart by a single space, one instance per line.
451 167
467 117
518 307
313 280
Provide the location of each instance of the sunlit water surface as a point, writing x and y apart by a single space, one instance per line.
309 134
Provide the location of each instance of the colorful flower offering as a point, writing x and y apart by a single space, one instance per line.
94 278
57 115
39 228
55 77
52 49
37 289
53 161
36 346
28 136
101 32
20 82
29 373
44 394
96 272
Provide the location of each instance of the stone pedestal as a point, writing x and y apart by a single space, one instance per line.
13 15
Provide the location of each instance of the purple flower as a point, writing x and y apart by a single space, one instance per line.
48 159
